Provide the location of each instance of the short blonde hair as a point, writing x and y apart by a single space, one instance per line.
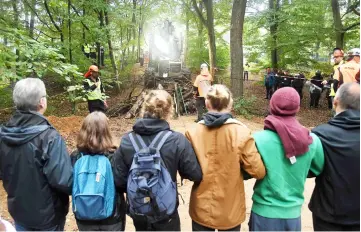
157 104
220 97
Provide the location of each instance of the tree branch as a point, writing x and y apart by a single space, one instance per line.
351 26
34 11
199 13
77 12
51 17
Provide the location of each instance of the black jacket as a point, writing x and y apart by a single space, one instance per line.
317 80
177 153
119 210
36 169
336 197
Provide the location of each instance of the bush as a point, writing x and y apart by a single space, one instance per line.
243 106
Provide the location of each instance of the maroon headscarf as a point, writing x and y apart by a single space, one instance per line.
284 105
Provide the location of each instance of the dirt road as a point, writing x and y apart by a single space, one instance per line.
118 127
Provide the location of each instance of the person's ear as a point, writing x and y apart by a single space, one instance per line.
335 102
43 104
208 105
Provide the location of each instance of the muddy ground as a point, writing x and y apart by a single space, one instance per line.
69 127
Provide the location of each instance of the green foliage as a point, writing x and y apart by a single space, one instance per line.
243 106
36 59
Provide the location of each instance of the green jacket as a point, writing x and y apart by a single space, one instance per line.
280 193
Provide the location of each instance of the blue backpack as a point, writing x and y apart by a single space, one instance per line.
151 192
93 188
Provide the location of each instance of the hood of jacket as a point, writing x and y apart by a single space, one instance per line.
214 119
349 119
23 127
150 126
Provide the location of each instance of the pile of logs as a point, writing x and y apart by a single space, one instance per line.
180 87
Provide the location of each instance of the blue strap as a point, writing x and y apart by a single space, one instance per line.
132 140
141 141
161 143
155 140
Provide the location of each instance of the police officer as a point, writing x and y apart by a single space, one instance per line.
94 87
298 83
315 89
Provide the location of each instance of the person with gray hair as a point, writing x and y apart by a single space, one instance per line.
36 167
335 201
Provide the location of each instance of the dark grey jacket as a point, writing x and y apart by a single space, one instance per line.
36 171
177 153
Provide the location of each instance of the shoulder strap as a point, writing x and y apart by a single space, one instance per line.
160 139
134 143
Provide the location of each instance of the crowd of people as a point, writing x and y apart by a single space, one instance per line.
139 175
345 71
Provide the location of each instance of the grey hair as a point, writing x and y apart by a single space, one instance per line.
349 96
27 93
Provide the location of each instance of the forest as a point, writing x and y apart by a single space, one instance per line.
46 38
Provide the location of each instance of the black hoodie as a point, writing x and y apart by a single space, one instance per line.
36 171
177 153
336 197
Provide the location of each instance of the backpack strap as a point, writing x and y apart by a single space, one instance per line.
134 143
157 142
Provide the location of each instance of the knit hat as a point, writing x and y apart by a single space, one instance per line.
285 102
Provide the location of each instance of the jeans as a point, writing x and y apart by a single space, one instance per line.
59 227
197 227
269 92
259 223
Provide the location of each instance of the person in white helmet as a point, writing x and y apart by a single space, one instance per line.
201 86
348 72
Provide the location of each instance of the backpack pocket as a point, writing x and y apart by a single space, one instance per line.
95 202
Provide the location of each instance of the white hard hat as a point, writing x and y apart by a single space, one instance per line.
204 65
354 52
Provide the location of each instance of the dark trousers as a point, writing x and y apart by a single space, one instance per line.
201 107
330 102
120 226
315 98
197 227
320 225
269 92
170 224
259 223
245 75
59 227
96 105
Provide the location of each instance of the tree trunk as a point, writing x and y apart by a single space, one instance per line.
211 37
32 20
69 36
53 22
186 42
237 20
111 55
339 33
16 25
274 7
133 26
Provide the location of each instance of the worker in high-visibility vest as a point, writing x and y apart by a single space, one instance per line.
86 50
95 90
338 56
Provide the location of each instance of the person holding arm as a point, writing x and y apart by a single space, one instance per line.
34 162
171 152
289 152
224 148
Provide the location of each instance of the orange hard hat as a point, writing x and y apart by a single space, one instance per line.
92 68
